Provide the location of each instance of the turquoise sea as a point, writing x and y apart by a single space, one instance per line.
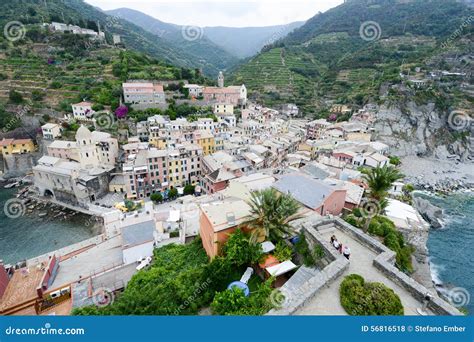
450 247
28 236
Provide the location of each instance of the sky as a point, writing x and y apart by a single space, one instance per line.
224 12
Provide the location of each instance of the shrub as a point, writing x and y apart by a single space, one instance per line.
55 85
282 251
15 97
357 212
351 219
359 298
229 301
37 95
234 302
303 249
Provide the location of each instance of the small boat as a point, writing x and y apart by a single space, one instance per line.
11 185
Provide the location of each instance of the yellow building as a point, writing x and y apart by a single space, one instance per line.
159 142
16 146
223 109
206 140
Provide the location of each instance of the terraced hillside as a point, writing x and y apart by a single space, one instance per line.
333 59
51 83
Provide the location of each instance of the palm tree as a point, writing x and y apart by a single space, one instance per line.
271 213
380 180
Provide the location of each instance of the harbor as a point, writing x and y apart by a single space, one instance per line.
29 227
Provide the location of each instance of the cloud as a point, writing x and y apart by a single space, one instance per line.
224 12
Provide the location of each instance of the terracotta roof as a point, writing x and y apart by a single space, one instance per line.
270 260
82 104
217 90
6 142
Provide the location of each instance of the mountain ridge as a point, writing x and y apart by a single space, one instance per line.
240 42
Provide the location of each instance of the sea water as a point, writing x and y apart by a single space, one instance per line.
451 247
29 235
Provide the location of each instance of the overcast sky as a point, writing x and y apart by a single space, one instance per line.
224 12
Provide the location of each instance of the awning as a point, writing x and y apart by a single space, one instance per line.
281 268
267 246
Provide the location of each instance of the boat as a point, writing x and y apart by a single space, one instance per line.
11 185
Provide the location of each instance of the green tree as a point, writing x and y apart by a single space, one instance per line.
240 250
189 189
156 197
173 193
271 213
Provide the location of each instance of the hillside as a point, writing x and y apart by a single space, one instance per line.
192 42
41 77
33 12
329 59
239 42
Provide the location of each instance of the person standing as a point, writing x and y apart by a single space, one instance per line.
346 252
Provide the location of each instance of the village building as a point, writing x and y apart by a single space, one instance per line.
82 111
51 131
16 146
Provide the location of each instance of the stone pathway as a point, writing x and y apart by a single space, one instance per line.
327 302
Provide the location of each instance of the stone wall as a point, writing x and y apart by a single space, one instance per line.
298 294
384 262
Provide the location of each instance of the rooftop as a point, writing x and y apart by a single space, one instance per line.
227 213
137 234
306 190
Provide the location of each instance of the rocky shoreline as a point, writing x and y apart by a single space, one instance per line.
438 177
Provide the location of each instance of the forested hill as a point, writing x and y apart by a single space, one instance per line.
77 12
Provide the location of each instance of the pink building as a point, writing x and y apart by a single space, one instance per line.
234 95
143 93
313 193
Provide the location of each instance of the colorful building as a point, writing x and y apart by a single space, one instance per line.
16 146
218 220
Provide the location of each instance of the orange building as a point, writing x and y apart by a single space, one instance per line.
220 219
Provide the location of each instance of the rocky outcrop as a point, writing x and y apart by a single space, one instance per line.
431 213
422 130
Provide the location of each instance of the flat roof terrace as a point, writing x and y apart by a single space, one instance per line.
21 289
